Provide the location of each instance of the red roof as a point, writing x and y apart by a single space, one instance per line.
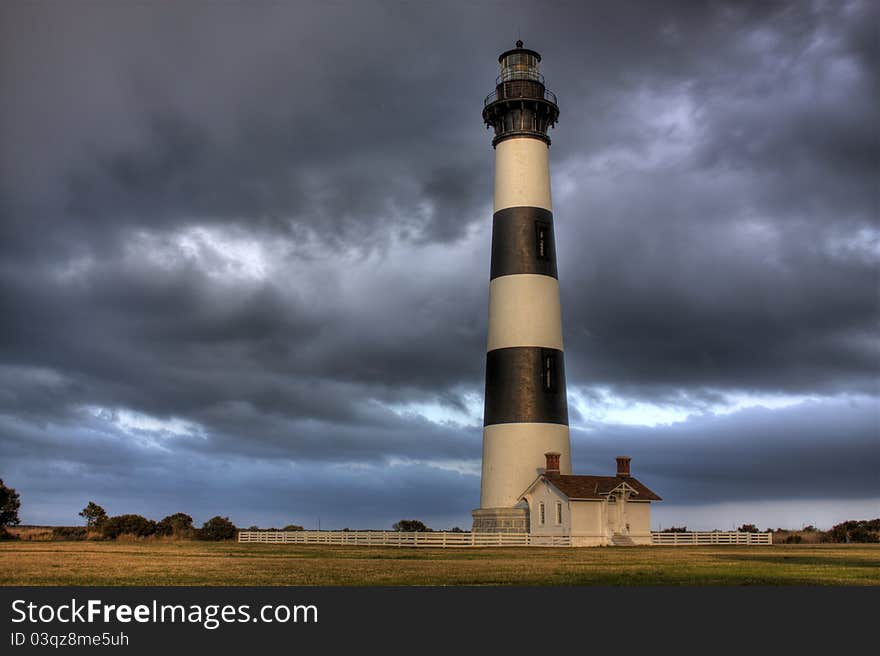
598 487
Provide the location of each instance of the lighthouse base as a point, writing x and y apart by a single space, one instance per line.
500 520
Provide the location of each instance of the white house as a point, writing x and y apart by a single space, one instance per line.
593 510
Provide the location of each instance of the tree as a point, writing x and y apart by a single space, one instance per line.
179 524
135 525
217 528
675 529
94 515
410 525
297 527
9 505
864 530
748 528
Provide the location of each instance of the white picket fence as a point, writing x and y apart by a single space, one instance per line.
440 539
444 539
711 537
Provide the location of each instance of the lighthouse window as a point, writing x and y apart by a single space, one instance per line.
558 513
549 371
542 240
541 512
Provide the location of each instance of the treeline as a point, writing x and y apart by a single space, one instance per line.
850 531
289 527
864 530
178 525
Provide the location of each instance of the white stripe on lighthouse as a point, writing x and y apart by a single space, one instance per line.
513 456
522 174
524 310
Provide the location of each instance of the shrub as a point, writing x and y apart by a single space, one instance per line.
862 534
865 530
792 539
6 535
217 528
178 524
410 525
135 525
31 533
675 529
297 527
69 532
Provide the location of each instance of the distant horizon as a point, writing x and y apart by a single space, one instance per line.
696 521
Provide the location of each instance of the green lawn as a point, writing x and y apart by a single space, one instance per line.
202 563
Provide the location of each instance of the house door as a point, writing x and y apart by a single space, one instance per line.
614 515
617 519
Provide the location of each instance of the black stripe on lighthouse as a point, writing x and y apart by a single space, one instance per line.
525 384
523 242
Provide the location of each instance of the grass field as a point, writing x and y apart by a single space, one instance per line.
203 563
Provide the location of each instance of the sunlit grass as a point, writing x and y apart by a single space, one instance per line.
203 563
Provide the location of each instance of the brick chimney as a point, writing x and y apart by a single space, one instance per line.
623 466
552 462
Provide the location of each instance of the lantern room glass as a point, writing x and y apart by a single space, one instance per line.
520 66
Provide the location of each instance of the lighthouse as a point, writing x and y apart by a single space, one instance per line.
525 414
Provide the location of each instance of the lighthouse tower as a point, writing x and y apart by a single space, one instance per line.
525 413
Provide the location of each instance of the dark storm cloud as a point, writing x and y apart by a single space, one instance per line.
813 450
714 179
263 121
749 258
251 491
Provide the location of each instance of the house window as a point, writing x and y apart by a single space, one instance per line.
542 240
549 371
558 513
541 513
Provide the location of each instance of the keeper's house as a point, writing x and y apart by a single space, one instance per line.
593 510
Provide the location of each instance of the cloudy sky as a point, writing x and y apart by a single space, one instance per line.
244 255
